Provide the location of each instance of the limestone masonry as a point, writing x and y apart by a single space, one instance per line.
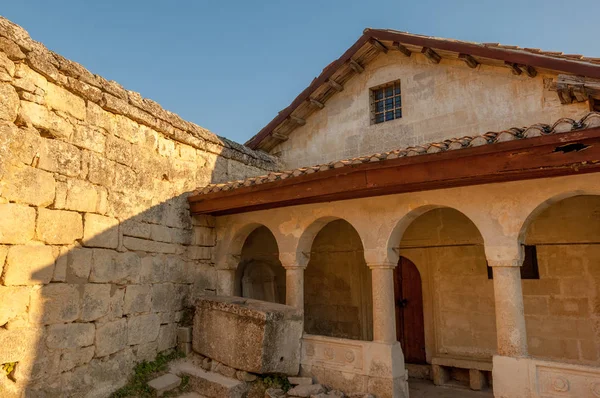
98 254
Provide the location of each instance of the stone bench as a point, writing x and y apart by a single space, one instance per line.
441 365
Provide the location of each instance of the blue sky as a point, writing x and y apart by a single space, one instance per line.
230 66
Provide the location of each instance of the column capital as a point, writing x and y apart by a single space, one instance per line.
373 266
294 267
505 255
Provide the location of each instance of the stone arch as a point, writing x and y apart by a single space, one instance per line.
447 247
259 273
337 286
563 236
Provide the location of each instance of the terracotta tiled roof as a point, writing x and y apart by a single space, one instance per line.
563 125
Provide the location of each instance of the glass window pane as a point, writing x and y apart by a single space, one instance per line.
397 88
379 118
389 91
389 116
379 94
398 101
379 106
389 104
398 113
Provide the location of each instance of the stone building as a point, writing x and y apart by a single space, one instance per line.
447 245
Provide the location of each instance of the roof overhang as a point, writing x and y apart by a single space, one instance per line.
552 155
376 41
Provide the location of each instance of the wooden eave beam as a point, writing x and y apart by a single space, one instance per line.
335 85
280 137
530 71
379 46
355 66
316 103
298 120
469 60
539 157
402 48
433 57
514 68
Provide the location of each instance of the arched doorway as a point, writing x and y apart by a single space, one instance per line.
410 324
260 274
337 285
562 303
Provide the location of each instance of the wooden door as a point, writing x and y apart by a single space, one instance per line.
410 328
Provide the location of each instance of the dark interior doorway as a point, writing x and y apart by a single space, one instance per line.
408 293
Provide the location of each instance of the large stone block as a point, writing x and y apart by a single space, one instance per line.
111 337
70 335
137 299
18 223
29 265
110 266
81 196
250 335
96 301
167 337
79 264
61 100
10 102
89 138
29 185
59 157
14 302
100 231
58 227
55 303
142 329
17 344
43 119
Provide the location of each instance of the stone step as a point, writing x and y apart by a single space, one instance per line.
164 383
210 384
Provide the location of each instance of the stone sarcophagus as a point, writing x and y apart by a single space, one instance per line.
251 335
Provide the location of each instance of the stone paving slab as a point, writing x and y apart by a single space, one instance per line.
426 389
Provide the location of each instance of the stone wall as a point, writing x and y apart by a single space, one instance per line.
440 101
98 254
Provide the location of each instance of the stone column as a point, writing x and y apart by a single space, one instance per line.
225 282
294 286
384 312
510 317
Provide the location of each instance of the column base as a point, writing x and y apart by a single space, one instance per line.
511 377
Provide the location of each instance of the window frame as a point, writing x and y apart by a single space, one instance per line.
393 111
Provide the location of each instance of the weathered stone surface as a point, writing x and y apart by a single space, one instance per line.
167 337
306 390
137 299
70 335
18 223
164 383
111 337
15 301
11 49
58 226
10 102
72 358
43 119
274 329
29 265
101 170
245 376
55 303
136 229
60 99
274 393
145 352
79 263
59 157
119 150
17 344
208 383
89 138
166 297
184 334
110 266
143 329
29 185
80 196
100 231
298 381
96 301
149 246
